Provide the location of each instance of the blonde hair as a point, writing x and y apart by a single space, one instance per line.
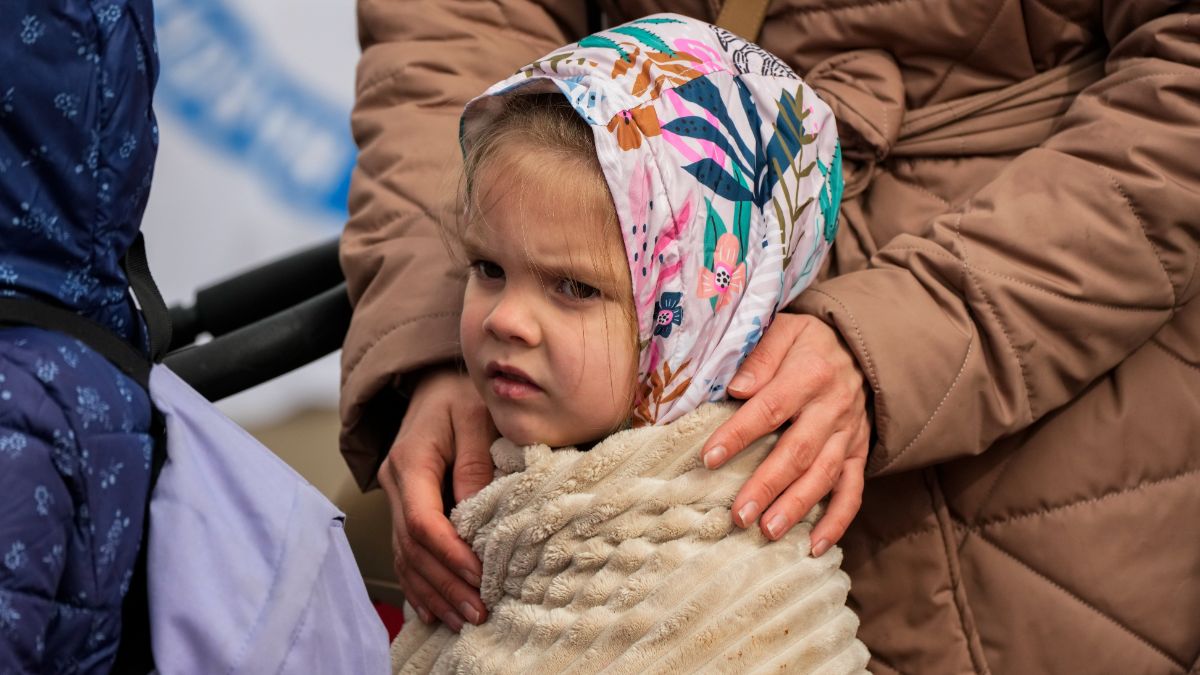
541 138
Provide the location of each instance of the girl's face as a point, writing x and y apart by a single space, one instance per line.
545 335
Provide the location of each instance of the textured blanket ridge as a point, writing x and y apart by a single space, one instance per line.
623 559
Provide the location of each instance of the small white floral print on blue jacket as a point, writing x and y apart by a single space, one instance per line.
77 146
73 484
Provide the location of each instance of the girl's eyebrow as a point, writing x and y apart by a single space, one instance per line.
472 246
583 273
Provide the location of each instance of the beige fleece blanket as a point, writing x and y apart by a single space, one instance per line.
623 559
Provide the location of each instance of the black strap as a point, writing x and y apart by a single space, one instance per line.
30 312
27 312
134 654
158 320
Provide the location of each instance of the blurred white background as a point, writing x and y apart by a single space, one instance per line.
253 105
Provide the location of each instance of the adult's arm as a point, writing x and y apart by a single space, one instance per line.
1052 274
422 60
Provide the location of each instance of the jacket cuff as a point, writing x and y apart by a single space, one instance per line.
916 360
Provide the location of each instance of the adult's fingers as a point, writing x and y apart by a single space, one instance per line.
791 459
806 492
428 603
427 526
777 402
413 563
417 591
843 506
439 585
764 360
451 599
473 436
847 494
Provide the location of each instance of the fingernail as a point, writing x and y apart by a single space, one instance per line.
469 611
424 615
714 456
748 513
470 577
742 381
453 621
820 548
776 525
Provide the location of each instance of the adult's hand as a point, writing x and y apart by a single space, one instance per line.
800 372
447 424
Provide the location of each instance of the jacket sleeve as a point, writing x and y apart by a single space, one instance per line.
1052 274
422 60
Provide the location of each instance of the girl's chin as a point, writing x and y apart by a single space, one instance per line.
541 422
524 430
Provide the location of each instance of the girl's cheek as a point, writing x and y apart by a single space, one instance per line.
470 328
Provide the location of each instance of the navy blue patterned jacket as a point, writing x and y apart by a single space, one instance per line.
77 146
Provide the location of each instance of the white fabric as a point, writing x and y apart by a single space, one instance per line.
623 559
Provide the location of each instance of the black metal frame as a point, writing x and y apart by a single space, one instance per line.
265 322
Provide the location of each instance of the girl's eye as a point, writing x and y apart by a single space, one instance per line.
577 290
486 269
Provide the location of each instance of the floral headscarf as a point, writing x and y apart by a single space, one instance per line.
726 175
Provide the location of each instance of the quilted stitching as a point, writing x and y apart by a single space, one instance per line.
1109 619
995 522
1174 355
974 50
1029 393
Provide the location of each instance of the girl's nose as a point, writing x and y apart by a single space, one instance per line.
513 320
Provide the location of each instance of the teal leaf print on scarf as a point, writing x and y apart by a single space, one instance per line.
601 42
741 215
655 20
650 40
714 227
830 198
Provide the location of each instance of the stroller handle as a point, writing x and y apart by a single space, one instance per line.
248 356
257 293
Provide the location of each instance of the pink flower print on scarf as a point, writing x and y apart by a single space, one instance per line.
724 281
708 59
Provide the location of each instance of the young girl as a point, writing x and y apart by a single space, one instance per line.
638 206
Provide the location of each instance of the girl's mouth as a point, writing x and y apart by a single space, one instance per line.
509 382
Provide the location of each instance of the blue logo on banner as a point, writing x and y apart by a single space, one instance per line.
235 96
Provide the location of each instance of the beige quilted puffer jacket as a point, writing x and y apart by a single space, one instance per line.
1016 272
